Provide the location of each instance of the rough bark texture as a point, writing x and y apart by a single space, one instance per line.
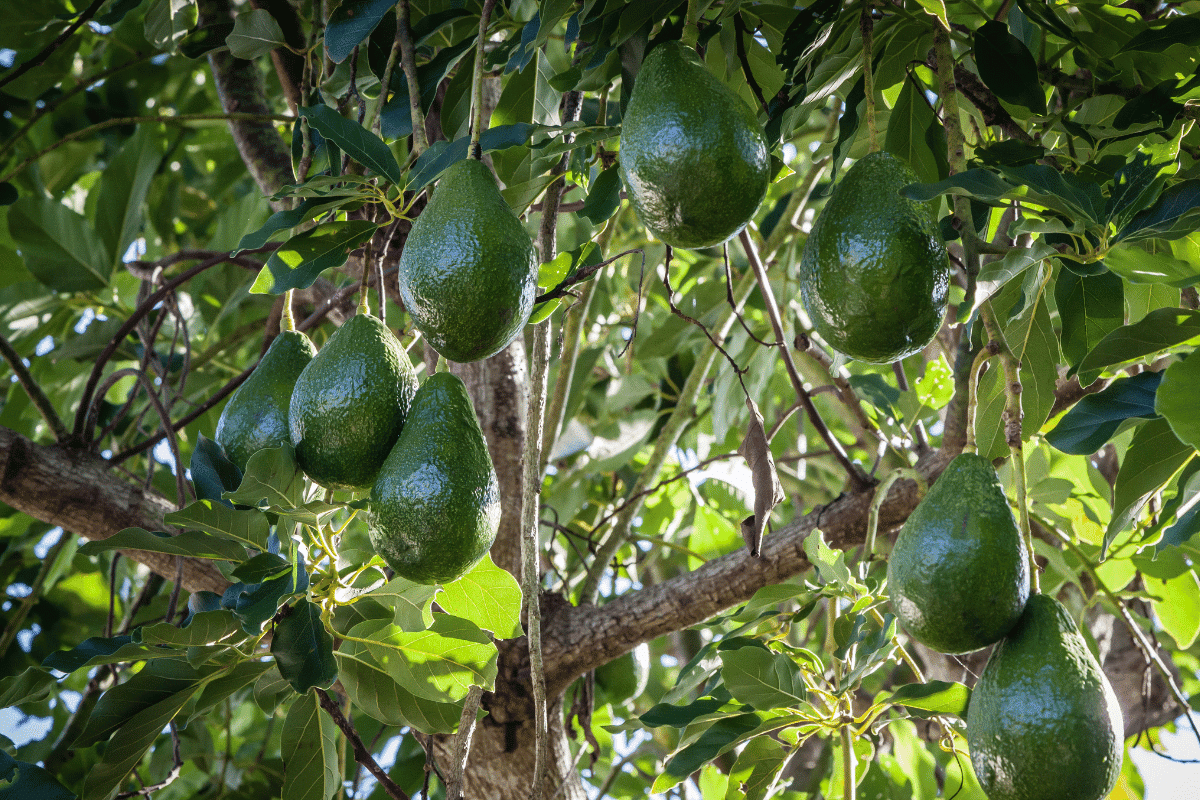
79 491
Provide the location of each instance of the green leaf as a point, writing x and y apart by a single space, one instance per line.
168 21
303 649
60 247
371 688
980 184
1173 30
97 650
122 193
298 262
723 732
202 41
1174 215
1176 399
271 689
1090 308
488 596
212 473
193 544
356 141
1154 456
938 697
287 219
1007 67
1095 418
262 567
249 527
915 136
1139 183
206 627
27 687
411 602
604 196
272 479
830 564
1016 261
761 678
309 748
159 682
31 781
1151 262
229 683
754 772
440 664
1077 198
255 33
1159 330
1178 606
351 23
681 716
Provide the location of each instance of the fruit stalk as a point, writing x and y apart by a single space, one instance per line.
989 350
691 25
881 493
477 81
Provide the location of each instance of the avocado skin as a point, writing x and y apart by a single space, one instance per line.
350 404
1044 723
693 155
256 415
468 271
958 575
874 274
435 507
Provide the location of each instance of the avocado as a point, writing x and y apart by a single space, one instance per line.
958 575
1043 722
468 271
435 508
693 155
350 404
256 415
874 275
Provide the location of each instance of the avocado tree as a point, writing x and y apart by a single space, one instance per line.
689 469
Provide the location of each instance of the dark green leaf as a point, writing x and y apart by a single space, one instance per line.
351 23
163 681
272 479
1159 330
206 627
1138 184
680 716
212 473
311 208
303 649
761 678
32 781
192 544
980 184
309 748
1096 417
256 33
1177 396
939 697
1154 455
204 40
1007 67
440 156
1089 308
1174 30
8 194
1064 192
298 262
356 141
705 748
231 681
60 247
263 566
119 210
847 127
1173 216
875 389
248 527
915 136
29 686
256 603
430 24
99 650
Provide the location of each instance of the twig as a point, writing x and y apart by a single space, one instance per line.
462 743
41 57
866 26
729 299
739 29
40 401
408 62
477 83
361 754
582 274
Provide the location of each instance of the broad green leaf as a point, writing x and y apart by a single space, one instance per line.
1138 184
249 527
298 262
830 564
980 184
440 664
372 689
1177 399
761 678
938 697
1095 418
681 716
161 681
1158 331
1015 262
411 602
351 23
261 567
1063 192
168 21
203 40
1007 67
356 141
256 603
193 544
97 650
488 596
915 136
255 33
1178 606
272 478
60 247
309 749
1174 215
122 193
1172 30
755 770
287 219
604 196
206 627
1151 262
213 473
271 689
721 733
31 781
231 681
1154 456
936 8
26 687
303 649
1089 309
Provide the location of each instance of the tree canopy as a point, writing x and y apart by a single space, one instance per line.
698 493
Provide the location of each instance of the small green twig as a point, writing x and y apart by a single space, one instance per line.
881 493
989 350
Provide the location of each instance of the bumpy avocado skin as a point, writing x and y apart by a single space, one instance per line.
468 272
256 415
958 575
1044 723
693 155
874 274
435 507
350 404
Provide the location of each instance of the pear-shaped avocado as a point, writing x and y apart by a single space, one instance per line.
350 404
693 155
1044 723
435 507
874 275
468 271
959 574
256 415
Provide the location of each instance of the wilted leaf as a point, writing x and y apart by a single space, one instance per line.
768 491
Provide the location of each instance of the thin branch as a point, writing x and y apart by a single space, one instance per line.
408 62
40 401
361 754
739 28
477 83
41 57
462 743
582 274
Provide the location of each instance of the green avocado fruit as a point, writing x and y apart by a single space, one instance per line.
1044 723
693 155
435 507
468 271
874 274
958 575
350 404
256 415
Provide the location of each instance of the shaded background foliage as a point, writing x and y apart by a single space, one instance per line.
168 169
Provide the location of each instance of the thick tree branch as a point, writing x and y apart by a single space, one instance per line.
79 492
